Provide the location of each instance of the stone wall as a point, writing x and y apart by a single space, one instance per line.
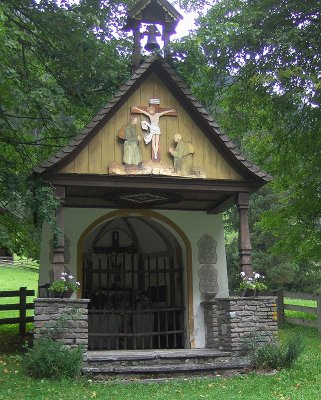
231 323
65 320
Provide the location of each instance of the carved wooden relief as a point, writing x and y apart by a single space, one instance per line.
153 134
133 139
104 153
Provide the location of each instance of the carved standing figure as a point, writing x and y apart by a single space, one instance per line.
154 130
132 153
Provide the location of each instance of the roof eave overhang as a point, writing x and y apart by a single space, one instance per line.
154 181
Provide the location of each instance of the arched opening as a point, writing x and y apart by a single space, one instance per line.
134 273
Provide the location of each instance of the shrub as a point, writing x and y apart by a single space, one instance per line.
51 359
273 355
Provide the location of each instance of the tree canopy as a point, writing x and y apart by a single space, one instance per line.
254 64
59 64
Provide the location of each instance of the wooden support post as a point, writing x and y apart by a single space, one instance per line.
22 310
137 48
280 307
59 248
319 312
166 39
242 202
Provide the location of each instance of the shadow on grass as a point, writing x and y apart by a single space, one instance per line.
11 342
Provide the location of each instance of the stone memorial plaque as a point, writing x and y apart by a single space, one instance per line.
208 279
207 250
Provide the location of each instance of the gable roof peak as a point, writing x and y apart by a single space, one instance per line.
168 74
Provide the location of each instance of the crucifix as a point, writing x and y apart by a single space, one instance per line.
153 112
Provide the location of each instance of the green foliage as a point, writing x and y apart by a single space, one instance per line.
60 62
51 359
255 65
280 268
253 282
272 355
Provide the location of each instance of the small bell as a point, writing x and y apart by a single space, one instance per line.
152 44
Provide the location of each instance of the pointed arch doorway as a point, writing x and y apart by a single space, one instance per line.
135 271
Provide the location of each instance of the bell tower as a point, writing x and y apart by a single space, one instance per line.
143 19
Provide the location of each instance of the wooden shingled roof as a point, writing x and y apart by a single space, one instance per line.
164 4
169 77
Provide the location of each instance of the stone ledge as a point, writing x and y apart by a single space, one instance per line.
239 298
60 300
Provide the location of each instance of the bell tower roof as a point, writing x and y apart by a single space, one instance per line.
151 13
154 12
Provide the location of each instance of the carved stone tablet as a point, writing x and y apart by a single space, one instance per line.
207 250
208 279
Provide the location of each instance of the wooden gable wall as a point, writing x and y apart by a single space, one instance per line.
105 147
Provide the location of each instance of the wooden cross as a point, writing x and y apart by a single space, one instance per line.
153 112
158 109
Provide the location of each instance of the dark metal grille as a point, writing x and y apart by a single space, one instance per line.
136 301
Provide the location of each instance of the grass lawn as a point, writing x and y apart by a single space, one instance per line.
12 278
302 381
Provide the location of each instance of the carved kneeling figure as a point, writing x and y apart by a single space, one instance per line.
183 156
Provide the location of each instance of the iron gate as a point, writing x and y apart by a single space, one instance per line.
136 300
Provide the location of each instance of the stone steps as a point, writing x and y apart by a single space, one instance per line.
162 363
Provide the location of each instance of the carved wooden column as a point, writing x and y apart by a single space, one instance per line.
242 202
59 243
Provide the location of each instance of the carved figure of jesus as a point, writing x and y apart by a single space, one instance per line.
154 129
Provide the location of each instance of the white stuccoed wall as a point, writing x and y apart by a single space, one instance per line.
194 224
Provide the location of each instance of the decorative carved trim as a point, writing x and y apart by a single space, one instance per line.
66 250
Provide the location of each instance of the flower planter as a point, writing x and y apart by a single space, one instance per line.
64 287
62 295
250 293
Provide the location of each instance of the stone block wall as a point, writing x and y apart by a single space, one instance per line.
231 323
211 325
65 320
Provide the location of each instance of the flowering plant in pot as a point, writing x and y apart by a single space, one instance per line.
252 283
65 286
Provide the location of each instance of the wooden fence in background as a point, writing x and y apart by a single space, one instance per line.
281 294
19 263
22 307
